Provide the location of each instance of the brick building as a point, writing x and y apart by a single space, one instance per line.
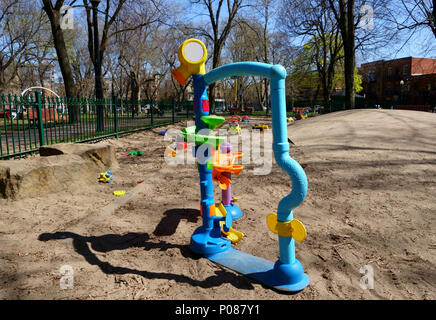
405 81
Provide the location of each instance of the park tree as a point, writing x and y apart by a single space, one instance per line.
245 45
131 15
54 14
20 24
418 15
344 13
303 81
145 54
323 50
82 67
218 29
364 25
254 38
168 51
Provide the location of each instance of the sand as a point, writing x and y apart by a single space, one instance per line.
371 202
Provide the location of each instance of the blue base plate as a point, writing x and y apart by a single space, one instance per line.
259 269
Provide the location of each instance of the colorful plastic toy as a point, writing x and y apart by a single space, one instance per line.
286 274
235 125
119 193
181 145
163 132
245 119
106 176
170 150
301 115
223 167
261 127
135 153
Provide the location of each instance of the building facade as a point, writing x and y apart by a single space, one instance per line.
405 81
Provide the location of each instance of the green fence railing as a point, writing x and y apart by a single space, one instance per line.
28 122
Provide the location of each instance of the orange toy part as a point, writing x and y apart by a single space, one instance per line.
235 169
224 162
212 210
179 77
222 180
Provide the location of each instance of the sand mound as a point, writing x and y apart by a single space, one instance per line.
65 166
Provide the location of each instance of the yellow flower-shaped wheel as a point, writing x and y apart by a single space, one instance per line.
298 230
293 228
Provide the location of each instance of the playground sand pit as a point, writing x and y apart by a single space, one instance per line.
371 202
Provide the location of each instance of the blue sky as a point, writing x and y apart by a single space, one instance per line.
421 43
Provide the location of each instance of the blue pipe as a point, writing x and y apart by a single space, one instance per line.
277 76
207 238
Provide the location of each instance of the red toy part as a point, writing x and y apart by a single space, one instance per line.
181 145
205 105
238 120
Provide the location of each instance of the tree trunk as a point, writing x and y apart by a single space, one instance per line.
53 14
134 91
61 50
348 37
349 66
212 97
345 19
215 64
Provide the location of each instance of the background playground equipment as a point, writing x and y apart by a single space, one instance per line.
106 176
135 153
301 115
234 125
286 274
245 119
261 127
49 115
120 193
171 150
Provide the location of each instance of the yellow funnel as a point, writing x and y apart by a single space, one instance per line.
192 55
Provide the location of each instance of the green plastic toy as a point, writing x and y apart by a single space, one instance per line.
135 153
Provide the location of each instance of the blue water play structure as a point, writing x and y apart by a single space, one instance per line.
286 274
